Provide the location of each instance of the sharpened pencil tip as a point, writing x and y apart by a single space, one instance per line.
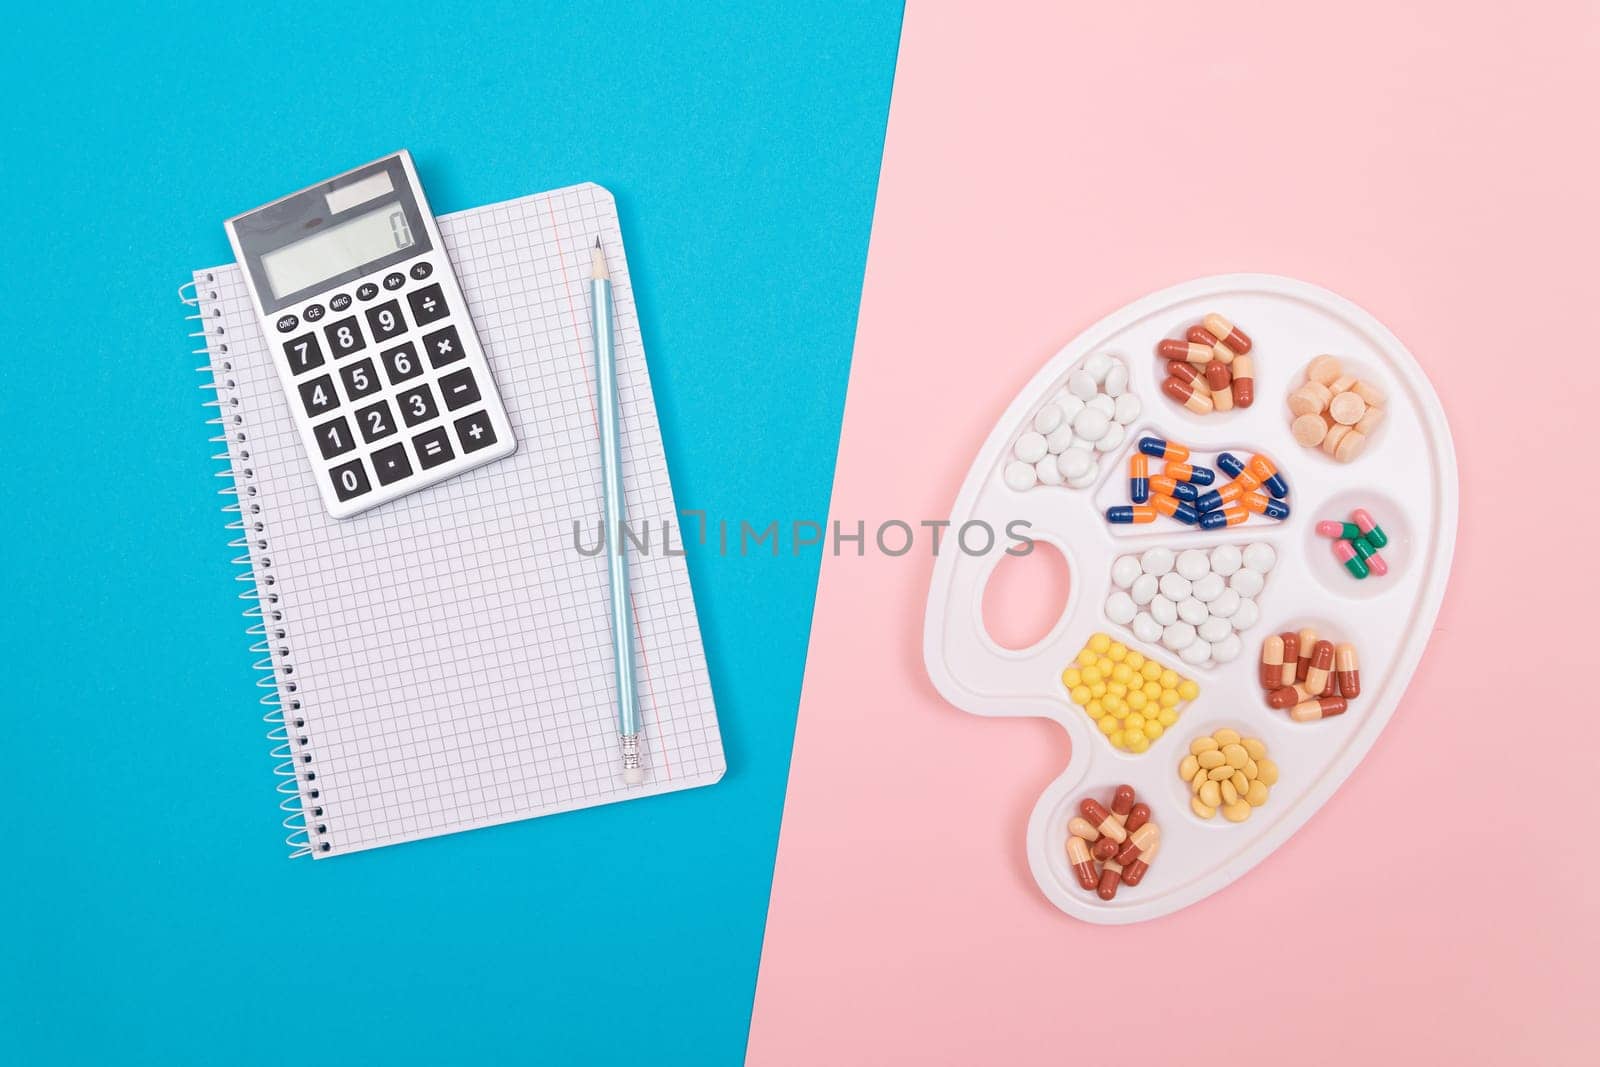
597 242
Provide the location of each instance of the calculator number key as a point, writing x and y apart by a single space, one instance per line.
344 337
350 480
416 405
433 447
318 395
402 363
334 437
475 431
304 353
385 321
443 346
427 304
459 389
391 463
376 421
360 379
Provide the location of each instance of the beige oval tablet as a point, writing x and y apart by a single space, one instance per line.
1347 408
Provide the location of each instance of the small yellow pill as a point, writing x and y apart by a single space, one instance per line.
1117 689
1153 730
1217 774
1256 795
1099 643
1226 736
1170 679
1121 672
1241 784
1105 665
1238 811
1190 764
1230 795
1202 744
1251 770
1211 794
1117 652
1080 694
1234 754
1115 736
1086 658
1098 689
1135 721
1200 808
1167 717
1188 689
1071 677
1095 708
1137 700
1121 711
1151 671
1269 772
1152 690
1169 698
1108 724
1135 660
1137 742
1210 758
1111 702
1254 747
1198 781
1090 675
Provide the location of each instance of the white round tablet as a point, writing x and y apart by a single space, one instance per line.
1196 652
1047 471
1208 587
1227 649
1145 588
1060 438
1127 408
1030 447
1103 404
1192 611
1247 582
1120 608
1192 564
1113 438
1157 561
1213 630
1125 571
1178 636
1164 611
1175 586
1225 603
1116 382
1090 425
1097 365
1020 476
1069 405
1247 615
1086 479
1225 559
1146 629
1260 557
1083 385
1048 419
1074 463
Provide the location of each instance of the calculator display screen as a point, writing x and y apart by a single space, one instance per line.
337 250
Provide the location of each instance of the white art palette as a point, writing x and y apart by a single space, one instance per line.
1406 478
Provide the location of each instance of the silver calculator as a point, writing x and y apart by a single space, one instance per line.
369 331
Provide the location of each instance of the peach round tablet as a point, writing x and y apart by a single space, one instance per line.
1336 433
1309 399
1309 429
1370 420
1347 408
1324 369
1350 446
1370 393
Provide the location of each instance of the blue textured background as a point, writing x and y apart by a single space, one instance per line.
147 912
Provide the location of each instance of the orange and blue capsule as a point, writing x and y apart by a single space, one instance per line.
1165 486
1264 469
1223 494
1139 477
1176 509
1137 513
1231 516
1235 468
1162 449
1184 472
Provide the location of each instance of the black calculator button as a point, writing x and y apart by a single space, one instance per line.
427 304
421 270
459 389
287 323
376 421
366 291
386 321
416 405
394 281
350 480
475 431
402 363
314 312
339 302
334 437
443 346
433 447
360 379
391 463
344 337
304 353
318 395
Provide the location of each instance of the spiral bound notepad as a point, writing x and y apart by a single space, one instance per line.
444 662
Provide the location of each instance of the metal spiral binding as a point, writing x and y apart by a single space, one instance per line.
297 781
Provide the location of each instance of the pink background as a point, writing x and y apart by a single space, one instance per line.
1431 163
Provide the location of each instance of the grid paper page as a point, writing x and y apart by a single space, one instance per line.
450 650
